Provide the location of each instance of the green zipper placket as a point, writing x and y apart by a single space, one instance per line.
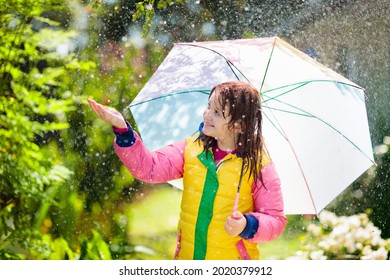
206 205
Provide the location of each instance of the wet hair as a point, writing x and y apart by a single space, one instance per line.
244 106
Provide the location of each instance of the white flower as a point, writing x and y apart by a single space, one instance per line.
334 246
380 254
367 250
317 255
377 241
328 219
355 234
359 246
350 245
349 237
323 244
361 235
353 222
314 229
339 231
299 255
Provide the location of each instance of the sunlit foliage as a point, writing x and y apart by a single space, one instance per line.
34 100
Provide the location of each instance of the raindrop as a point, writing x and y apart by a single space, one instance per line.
128 249
208 28
358 194
381 149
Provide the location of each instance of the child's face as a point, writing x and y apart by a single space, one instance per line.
215 124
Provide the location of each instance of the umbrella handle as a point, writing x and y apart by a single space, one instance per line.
235 206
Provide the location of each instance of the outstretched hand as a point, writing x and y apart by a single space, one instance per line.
109 115
235 224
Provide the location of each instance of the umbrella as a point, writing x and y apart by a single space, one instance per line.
315 123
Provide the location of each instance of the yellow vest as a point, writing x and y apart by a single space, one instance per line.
208 199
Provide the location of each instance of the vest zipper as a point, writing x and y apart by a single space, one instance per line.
220 163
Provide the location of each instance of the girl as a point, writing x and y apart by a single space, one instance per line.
231 192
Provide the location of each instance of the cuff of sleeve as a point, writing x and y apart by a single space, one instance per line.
120 130
252 225
125 137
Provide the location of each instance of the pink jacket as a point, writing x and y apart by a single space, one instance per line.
167 164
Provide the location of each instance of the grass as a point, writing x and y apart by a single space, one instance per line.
281 248
154 220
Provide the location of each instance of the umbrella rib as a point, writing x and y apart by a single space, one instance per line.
229 63
339 132
304 113
275 126
268 64
300 84
281 131
308 114
304 177
204 91
286 111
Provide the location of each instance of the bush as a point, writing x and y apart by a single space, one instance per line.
34 101
344 237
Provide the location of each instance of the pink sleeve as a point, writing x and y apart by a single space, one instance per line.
158 166
268 206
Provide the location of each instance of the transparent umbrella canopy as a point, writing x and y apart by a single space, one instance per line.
315 122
